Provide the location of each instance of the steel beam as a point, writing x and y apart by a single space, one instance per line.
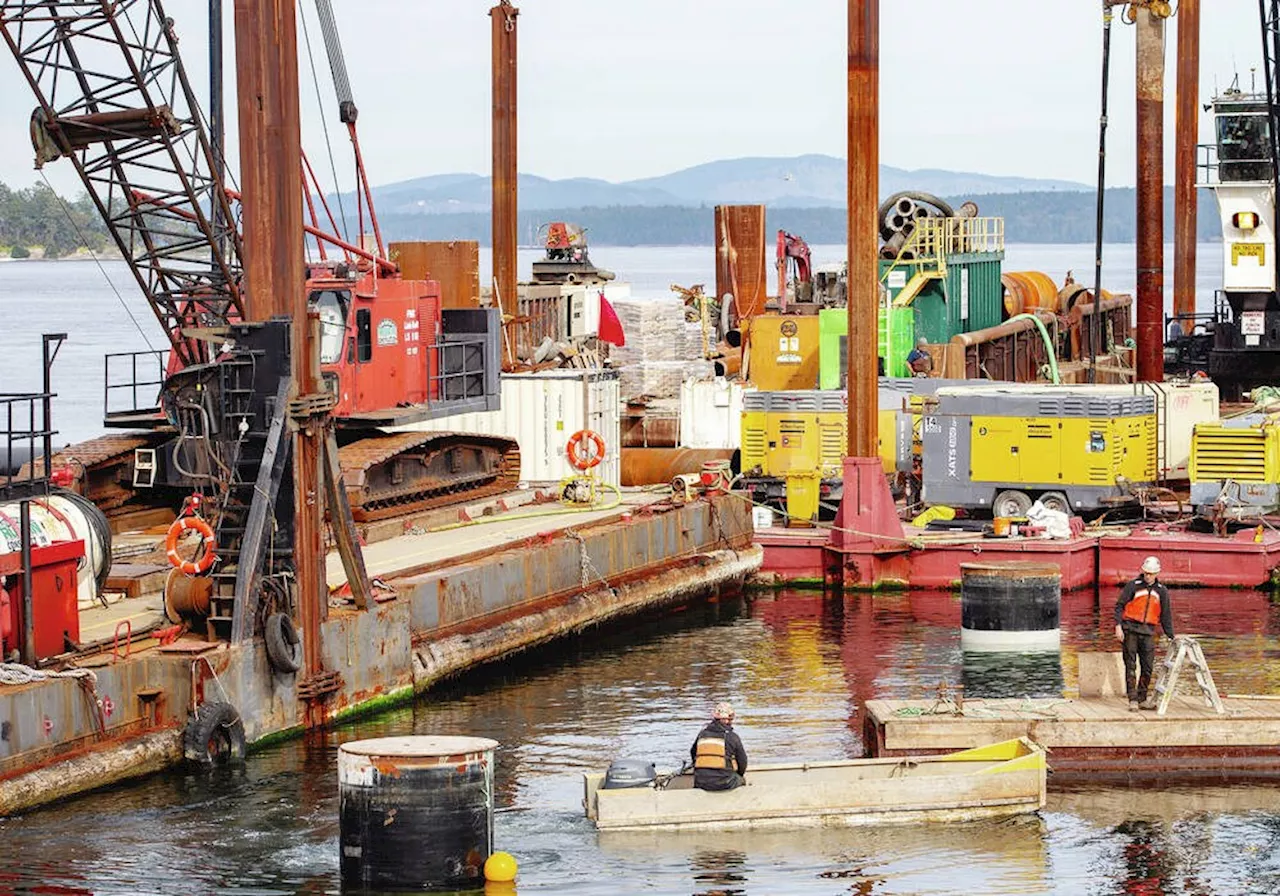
1150 207
1184 176
505 168
864 182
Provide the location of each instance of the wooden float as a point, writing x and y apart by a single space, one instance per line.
1094 738
994 780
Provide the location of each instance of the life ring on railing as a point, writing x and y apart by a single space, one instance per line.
207 559
580 456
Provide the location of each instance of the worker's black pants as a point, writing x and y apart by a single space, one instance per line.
1139 648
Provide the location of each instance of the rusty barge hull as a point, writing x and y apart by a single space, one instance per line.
462 598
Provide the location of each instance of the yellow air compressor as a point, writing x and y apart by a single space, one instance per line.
1001 449
1236 464
784 351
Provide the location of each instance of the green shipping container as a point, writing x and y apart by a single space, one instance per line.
897 336
969 298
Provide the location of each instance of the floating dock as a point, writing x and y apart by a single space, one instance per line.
454 599
1093 738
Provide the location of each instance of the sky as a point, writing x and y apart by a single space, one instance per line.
625 89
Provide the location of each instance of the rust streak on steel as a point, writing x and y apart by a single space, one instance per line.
505 170
271 159
1150 206
653 466
863 186
1184 177
271 156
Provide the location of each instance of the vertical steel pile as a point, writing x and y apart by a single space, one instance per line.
270 162
1150 207
505 171
1184 185
863 239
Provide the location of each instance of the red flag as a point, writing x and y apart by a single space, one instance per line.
610 326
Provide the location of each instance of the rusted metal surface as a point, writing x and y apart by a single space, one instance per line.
454 264
540 315
1028 291
441 657
741 265
505 159
863 242
1150 204
270 157
655 426
1184 158
654 466
101 468
405 472
1012 351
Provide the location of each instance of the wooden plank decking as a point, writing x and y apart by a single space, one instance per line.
1093 735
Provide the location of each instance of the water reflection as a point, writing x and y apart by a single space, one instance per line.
799 668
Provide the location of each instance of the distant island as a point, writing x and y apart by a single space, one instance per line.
804 195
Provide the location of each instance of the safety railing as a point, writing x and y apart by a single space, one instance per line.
927 248
131 383
22 439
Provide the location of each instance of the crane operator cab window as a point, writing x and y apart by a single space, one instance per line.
331 304
1244 147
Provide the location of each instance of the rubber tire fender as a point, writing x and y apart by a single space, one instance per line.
284 647
214 723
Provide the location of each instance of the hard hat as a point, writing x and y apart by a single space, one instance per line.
722 711
922 341
1151 565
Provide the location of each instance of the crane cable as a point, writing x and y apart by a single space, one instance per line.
324 123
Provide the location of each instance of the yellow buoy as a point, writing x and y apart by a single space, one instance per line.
501 866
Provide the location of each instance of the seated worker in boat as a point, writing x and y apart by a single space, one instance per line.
719 759
1141 611
919 360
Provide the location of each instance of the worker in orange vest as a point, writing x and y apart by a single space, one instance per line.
1141 612
719 759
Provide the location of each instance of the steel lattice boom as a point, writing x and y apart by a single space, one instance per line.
114 98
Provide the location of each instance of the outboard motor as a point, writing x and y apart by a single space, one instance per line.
629 773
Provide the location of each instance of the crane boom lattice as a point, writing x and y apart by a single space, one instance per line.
115 99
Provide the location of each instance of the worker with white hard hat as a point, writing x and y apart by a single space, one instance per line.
1142 611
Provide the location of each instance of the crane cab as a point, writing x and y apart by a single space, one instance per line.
390 355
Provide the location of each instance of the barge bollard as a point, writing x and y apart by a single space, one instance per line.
416 813
1010 605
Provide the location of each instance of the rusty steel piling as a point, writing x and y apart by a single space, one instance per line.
1150 27
505 170
863 249
1184 177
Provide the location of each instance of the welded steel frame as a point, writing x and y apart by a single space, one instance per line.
114 98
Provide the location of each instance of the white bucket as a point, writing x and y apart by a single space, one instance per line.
761 517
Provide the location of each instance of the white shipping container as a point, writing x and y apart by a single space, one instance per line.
541 411
711 413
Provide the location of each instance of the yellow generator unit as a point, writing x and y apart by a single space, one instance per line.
793 447
784 352
1236 464
1001 449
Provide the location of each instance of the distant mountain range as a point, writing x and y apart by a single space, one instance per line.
809 181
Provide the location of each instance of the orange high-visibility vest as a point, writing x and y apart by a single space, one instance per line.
1144 606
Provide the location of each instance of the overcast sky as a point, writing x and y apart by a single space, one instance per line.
624 89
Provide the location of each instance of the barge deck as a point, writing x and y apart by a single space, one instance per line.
454 599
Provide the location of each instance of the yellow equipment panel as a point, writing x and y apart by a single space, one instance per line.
784 352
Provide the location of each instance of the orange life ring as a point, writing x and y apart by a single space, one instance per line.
579 456
207 559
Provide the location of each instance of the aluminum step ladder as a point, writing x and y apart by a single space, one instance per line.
1183 651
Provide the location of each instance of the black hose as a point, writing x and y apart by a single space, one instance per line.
98 520
927 198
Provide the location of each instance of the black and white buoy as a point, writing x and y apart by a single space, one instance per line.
415 812
1010 605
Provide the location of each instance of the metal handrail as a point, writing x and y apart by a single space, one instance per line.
133 384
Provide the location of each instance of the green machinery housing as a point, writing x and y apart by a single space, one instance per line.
1001 449
946 281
